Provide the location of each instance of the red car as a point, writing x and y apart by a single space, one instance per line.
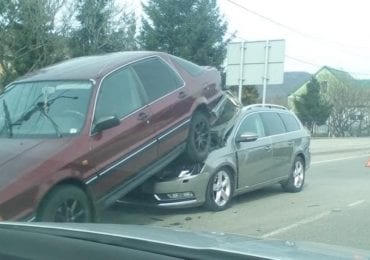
78 135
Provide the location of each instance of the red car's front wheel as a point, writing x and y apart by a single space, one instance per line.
66 203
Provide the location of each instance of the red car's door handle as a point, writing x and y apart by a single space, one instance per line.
182 94
142 116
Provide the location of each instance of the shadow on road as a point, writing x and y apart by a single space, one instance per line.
124 213
260 194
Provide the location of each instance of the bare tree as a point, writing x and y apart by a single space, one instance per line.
350 105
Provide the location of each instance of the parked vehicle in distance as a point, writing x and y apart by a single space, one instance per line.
253 146
78 135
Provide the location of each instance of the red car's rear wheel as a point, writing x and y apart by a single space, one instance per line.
199 138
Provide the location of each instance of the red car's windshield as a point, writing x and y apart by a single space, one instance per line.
46 108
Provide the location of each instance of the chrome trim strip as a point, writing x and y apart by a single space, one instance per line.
157 197
174 129
32 219
127 158
120 162
138 151
92 179
179 203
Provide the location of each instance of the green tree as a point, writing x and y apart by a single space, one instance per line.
29 39
192 29
103 27
249 94
311 107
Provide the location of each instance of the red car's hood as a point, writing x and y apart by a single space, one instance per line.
12 148
19 156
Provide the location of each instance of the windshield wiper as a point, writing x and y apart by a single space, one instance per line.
36 107
56 127
41 107
8 123
51 101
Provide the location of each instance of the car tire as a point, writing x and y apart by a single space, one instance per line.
297 177
66 203
220 190
199 138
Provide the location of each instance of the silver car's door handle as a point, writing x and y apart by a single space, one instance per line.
268 147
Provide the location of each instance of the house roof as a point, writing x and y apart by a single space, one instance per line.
364 83
346 77
341 75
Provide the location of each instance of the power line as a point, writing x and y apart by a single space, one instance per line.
320 66
296 31
269 19
303 61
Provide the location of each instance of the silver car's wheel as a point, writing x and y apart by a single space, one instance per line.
296 180
298 174
220 190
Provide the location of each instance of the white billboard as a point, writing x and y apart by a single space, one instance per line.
248 63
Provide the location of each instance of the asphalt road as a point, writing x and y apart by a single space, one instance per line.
333 208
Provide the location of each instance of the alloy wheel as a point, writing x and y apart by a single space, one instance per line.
201 136
70 210
298 174
221 188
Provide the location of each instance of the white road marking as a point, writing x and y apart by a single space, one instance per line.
340 159
356 203
307 220
297 224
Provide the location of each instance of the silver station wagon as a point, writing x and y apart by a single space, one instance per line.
252 147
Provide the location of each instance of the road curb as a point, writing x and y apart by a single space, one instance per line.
341 151
327 146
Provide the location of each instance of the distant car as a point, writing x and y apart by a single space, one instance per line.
77 135
253 147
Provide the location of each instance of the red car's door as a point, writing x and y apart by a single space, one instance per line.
169 102
120 152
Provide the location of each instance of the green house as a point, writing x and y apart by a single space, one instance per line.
335 81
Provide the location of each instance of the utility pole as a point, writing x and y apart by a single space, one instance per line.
265 75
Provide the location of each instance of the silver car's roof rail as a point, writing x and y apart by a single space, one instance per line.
266 105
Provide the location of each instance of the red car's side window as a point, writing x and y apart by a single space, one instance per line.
157 78
119 95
